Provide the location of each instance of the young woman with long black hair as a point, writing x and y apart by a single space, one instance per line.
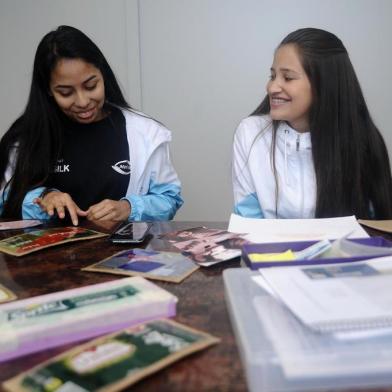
79 149
311 148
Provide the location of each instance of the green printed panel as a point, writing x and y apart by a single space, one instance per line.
53 307
112 359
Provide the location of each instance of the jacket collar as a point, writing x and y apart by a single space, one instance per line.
292 138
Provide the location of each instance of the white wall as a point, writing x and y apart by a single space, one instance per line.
199 66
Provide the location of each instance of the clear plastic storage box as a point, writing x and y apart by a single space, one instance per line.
280 354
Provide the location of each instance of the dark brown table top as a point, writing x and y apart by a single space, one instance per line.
201 305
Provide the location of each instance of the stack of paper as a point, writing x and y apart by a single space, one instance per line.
51 320
284 230
337 298
320 359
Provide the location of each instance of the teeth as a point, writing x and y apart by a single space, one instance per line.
85 114
278 100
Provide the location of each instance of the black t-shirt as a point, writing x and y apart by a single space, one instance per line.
94 161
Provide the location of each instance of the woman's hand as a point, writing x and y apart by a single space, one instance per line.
109 210
59 201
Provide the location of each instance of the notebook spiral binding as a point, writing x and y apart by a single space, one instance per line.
352 325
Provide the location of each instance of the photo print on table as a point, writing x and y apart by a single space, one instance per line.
206 246
150 264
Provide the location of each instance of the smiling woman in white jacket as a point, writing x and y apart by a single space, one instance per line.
311 149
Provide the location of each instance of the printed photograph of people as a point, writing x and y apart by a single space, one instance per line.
206 246
192 233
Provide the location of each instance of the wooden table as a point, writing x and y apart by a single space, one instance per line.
201 305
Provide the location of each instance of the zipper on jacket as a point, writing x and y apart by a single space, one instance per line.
302 179
297 143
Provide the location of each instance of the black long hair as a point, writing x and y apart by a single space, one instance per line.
37 134
350 158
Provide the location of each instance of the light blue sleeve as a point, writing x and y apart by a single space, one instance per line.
163 198
30 210
249 207
160 203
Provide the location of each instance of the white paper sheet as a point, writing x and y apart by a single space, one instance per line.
284 230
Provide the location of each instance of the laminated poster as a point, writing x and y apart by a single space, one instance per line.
114 361
35 240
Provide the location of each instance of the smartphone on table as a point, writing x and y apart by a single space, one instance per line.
130 232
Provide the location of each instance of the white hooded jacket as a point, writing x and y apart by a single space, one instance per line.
254 186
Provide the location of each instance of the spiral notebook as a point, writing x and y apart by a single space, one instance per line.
336 298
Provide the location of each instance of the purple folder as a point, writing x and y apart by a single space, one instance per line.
279 247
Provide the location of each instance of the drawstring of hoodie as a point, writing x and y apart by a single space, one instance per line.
286 132
286 145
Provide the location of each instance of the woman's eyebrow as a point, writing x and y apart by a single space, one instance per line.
288 70
90 78
69 86
62 86
284 69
